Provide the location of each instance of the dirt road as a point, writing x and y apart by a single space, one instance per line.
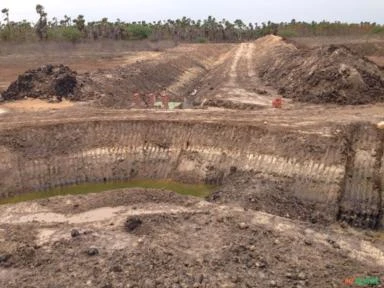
235 83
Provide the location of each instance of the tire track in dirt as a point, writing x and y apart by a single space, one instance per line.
235 84
242 87
233 73
250 60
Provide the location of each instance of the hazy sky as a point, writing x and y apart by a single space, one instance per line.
247 10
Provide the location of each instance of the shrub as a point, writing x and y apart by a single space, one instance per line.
201 40
287 33
71 34
138 32
5 34
378 30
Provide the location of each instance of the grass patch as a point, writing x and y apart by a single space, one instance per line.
198 190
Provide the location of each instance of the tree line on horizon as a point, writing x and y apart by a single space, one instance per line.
183 30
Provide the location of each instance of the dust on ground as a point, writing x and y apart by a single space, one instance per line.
35 105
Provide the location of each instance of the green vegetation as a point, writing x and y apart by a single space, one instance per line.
71 34
138 31
184 29
198 190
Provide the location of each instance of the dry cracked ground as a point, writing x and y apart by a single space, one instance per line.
276 171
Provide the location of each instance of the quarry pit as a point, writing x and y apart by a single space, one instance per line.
298 191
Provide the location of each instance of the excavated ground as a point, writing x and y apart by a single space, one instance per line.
255 73
295 185
84 241
177 70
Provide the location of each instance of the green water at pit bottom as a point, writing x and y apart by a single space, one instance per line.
198 190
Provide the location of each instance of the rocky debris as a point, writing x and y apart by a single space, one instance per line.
257 191
243 226
148 284
201 247
289 275
308 242
75 233
333 243
117 269
276 242
132 224
302 276
273 283
4 258
92 251
49 82
329 74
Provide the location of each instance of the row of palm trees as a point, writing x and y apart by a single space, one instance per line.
184 29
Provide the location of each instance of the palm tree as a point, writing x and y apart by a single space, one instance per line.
41 26
5 11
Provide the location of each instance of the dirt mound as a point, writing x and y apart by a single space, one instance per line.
176 70
330 74
256 191
52 82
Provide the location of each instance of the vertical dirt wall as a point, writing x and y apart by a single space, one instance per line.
342 174
361 199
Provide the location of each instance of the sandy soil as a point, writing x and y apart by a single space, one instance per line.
35 105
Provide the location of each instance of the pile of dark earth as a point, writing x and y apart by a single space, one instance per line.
330 74
49 82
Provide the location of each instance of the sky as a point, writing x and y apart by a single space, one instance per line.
247 10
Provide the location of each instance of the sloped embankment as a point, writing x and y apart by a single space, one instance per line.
329 74
176 70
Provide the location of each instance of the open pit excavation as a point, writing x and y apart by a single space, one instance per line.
332 175
297 193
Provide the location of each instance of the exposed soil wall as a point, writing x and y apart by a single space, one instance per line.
309 168
361 199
